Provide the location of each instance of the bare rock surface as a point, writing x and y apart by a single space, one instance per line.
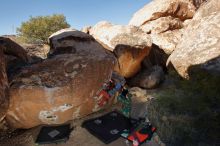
168 40
72 41
148 79
208 7
156 56
182 9
200 44
37 50
162 24
129 44
4 98
163 20
62 87
13 48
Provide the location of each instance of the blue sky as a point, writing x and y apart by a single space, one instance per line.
79 13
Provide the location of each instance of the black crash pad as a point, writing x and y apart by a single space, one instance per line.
54 134
109 127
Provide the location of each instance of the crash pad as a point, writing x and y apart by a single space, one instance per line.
54 134
108 127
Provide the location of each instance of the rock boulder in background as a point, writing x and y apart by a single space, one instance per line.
12 48
200 43
156 56
129 44
198 3
86 29
182 9
162 24
163 20
149 78
167 41
207 8
37 51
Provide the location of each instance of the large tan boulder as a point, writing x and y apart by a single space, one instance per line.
163 19
63 87
4 99
129 44
200 45
168 40
182 9
162 24
15 55
148 79
39 51
165 32
207 8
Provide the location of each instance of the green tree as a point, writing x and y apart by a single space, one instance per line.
38 29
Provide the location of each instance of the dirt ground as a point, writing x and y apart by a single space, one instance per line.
79 137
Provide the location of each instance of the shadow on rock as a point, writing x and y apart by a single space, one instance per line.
148 78
156 56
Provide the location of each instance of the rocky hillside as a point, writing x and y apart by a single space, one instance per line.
169 54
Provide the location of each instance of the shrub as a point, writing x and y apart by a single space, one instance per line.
38 29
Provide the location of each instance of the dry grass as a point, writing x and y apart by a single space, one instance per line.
188 112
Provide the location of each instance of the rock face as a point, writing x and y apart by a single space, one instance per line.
39 51
149 78
163 20
4 99
15 55
156 57
168 40
162 24
200 42
73 41
13 65
182 9
7 46
207 8
62 87
13 48
129 44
